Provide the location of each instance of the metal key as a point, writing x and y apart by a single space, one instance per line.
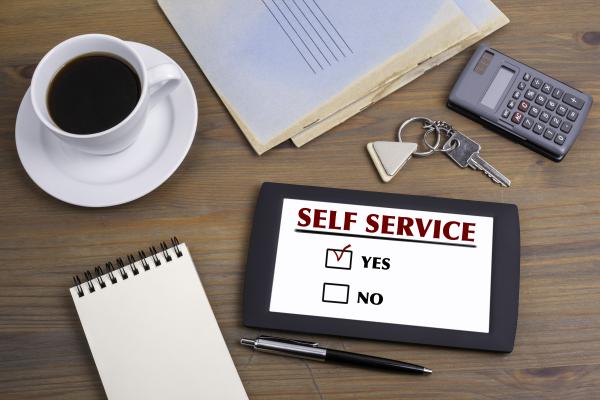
465 152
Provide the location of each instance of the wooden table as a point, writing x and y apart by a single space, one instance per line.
209 202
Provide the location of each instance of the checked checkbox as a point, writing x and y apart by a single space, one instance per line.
339 258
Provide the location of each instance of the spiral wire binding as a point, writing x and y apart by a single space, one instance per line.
110 269
88 277
131 261
78 285
142 256
175 244
164 249
99 278
121 265
155 258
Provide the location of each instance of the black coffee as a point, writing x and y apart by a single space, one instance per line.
93 93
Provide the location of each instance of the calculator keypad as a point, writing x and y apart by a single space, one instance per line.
551 105
517 117
549 134
572 115
534 111
557 93
547 88
566 127
530 94
545 110
573 101
540 99
524 106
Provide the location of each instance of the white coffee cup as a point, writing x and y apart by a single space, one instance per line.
155 83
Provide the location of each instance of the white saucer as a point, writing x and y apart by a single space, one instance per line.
98 181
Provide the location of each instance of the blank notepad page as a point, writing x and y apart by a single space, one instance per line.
153 335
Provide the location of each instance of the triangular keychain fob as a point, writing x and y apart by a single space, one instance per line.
390 157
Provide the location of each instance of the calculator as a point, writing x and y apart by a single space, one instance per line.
520 102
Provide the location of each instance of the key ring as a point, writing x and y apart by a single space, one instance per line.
444 128
430 127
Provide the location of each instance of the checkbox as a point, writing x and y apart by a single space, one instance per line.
335 293
338 259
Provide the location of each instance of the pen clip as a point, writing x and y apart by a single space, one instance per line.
289 341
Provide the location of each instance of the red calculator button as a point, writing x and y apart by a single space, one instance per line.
523 106
517 117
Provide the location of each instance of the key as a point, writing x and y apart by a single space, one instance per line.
465 153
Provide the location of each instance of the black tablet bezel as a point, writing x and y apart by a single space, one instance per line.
505 270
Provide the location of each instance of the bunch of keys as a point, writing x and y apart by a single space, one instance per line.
390 157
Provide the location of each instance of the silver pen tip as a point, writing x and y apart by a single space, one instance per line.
427 371
247 342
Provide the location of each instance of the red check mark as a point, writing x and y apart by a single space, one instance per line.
339 257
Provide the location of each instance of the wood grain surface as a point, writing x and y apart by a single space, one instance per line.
209 201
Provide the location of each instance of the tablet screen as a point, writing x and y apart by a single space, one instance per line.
390 265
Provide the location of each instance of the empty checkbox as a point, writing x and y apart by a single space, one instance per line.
335 293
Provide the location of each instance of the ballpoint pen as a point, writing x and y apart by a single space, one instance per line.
312 351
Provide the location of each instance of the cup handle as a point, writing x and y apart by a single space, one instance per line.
162 79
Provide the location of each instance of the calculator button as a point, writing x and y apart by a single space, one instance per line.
536 83
555 122
534 111
561 110
516 94
524 106
557 93
549 134
506 113
551 105
573 101
526 76
559 139
527 123
546 88
572 115
530 94
538 128
521 86
517 117
544 116
540 99
566 127
511 104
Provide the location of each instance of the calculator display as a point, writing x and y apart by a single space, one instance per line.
499 84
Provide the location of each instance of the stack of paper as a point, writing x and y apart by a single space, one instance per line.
293 69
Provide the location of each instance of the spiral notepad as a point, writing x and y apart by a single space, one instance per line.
151 329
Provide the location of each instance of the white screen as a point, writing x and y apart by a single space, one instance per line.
439 277
498 86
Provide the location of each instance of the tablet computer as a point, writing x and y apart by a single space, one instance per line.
384 266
